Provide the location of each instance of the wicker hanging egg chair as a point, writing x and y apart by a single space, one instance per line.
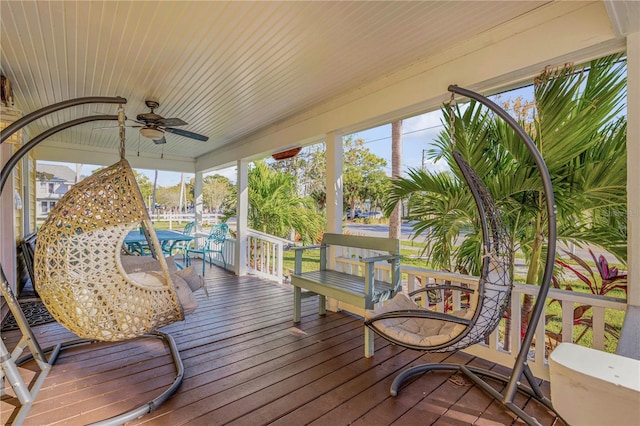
83 279
79 273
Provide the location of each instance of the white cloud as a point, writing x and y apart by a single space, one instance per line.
424 121
230 173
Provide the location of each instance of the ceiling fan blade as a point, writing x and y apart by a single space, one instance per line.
187 134
159 141
171 122
113 127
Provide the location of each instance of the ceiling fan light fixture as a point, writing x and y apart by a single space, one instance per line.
151 133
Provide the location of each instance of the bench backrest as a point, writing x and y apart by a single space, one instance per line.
390 245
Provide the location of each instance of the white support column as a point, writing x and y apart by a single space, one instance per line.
198 200
7 198
335 186
7 228
26 195
334 156
629 343
633 171
242 210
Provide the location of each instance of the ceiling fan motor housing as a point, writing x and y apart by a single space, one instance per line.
152 105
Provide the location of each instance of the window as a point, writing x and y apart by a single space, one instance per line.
51 187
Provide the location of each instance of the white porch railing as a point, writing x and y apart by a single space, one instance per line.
175 219
264 255
494 350
179 219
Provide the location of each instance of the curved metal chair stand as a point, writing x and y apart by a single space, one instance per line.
145 408
9 361
399 320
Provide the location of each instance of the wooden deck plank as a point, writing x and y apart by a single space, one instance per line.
411 393
450 400
240 379
297 403
370 398
283 388
246 363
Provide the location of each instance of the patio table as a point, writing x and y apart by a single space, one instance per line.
165 237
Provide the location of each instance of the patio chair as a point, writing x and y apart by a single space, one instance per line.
214 244
180 246
404 322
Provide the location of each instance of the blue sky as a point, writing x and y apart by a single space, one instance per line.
418 133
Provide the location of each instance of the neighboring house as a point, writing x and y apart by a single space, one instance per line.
52 182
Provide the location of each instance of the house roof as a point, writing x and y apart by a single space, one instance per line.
57 172
261 77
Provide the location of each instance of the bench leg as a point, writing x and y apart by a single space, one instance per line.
322 305
368 342
297 303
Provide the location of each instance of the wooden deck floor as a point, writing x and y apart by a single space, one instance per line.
247 364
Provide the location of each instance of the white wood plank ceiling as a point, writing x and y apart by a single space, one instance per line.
226 68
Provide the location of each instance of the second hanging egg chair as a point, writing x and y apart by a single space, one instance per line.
409 324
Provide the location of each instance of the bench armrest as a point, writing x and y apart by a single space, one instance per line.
297 266
388 257
369 265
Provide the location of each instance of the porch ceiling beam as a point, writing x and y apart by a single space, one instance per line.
519 50
73 153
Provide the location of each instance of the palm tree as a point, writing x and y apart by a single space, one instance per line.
276 208
395 220
579 131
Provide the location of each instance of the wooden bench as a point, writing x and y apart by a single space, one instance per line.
360 291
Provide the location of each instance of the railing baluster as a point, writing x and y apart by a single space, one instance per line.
516 314
493 339
598 327
540 340
457 297
567 321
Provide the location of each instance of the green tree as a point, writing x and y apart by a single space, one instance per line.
362 171
276 208
377 189
312 179
577 127
168 197
218 192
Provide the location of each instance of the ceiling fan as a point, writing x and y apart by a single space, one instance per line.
154 126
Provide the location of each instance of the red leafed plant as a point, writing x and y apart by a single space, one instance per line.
608 279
